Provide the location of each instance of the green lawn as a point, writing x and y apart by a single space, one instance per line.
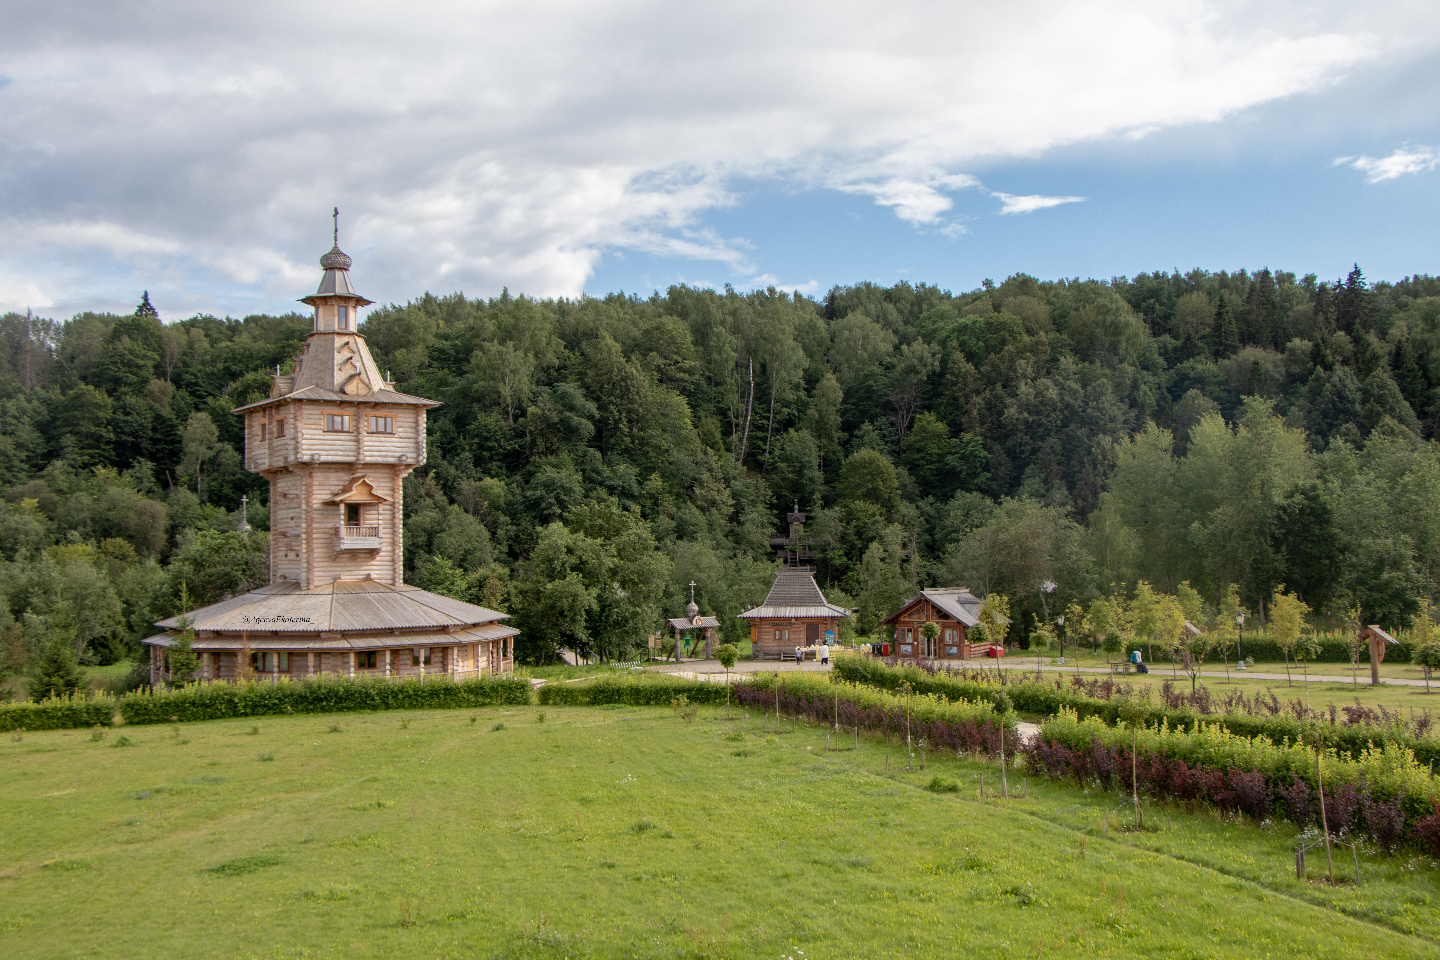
628 832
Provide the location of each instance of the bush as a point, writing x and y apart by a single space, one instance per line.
1253 775
938 723
58 713
218 701
1047 694
635 690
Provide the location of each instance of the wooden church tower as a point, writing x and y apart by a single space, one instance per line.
336 441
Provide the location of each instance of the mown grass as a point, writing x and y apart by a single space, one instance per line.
629 832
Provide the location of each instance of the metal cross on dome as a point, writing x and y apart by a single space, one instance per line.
337 226
692 591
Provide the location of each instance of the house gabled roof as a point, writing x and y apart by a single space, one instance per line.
794 594
958 602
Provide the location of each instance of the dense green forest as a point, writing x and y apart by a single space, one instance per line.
593 456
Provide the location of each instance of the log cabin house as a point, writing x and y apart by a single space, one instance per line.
953 609
795 612
336 440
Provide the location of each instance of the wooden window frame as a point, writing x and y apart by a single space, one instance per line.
258 659
342 318
332 418
263 426
415 658
367 659
279 428
385 425
359 513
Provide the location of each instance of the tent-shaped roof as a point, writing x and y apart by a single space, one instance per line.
344 605
794 594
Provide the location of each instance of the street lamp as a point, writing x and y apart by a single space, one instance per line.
1060 622
1047 587
1240 643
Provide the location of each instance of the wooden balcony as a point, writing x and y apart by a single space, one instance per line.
363 537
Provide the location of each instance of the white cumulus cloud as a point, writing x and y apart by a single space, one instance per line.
1405 160
198 148
1014 204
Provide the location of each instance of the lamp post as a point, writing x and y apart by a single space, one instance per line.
1047 587
1240 643
1060 622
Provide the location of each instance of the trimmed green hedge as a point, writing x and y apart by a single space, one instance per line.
218 701
637 690
1048 697
58 713
1390 771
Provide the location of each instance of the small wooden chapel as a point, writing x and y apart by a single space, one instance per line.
795 612
336 440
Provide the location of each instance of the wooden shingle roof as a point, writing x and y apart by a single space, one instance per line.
344 605
794 594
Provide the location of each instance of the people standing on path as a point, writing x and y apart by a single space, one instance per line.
823 652
799 657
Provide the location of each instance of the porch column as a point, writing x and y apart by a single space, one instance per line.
352 664
274 668
310 663
389 655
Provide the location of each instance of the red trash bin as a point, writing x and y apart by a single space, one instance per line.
884 649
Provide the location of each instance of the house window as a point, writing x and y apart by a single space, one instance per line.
366 660
280 428
906 649
337 423
352 514
270 662
382 424
782 635
342 318
420 655
262 431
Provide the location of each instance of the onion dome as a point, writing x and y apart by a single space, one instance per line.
335 259
691 610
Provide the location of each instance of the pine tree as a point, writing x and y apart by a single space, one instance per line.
1352 303
1324 309
1368 357
58 674
1408 376
1224 338
145 309
184 661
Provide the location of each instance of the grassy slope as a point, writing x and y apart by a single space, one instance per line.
625 831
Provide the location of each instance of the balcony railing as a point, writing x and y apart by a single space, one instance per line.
365 536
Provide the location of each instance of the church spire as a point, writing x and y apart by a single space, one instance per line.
336 301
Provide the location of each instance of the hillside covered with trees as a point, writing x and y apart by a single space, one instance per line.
593 456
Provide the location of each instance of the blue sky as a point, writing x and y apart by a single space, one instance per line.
1257 189
559 147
